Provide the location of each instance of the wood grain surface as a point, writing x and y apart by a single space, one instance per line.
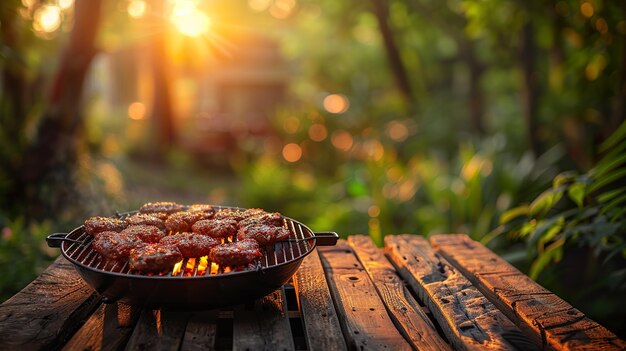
322 329
362 314
401 306
539 313
467 318
263 325
47 311
108 328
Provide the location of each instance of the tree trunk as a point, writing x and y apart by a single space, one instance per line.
398 68
162 112
476 101
54 145
530 88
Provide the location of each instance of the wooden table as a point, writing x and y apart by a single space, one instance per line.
446 293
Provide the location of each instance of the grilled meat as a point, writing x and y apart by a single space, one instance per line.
147 219
145 233
164 207
239 215
236 253
154 258
201 208
274 219
96 225
191 245
115 246
181 222
263 234
216 228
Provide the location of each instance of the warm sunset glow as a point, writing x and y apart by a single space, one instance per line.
292 152
259 5
282 9
65 4
189 20
336 103
137 8
137 111
318 132
342 140
47 19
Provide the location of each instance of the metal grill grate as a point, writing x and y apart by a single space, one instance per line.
82 253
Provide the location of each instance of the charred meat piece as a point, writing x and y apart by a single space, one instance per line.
96 225
229 214
181 222
145 233
164 207
216 228
115 246
201 208
191 245
263 234
154 258
146 219
236 253
274 219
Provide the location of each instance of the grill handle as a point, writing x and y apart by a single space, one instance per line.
326 238
321 239
56 239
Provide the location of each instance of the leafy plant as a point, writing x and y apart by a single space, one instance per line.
586 210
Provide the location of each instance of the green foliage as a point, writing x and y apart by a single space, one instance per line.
585 210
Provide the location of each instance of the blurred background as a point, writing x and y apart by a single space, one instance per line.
500 119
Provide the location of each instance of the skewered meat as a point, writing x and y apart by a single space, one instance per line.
145 233
154 258
165 207
263 234
191 245
274 219
115 246
216 228
201 208
181 222
96 225
146 219
236 253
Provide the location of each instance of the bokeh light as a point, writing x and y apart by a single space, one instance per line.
397 131
318 132
282 9
292 152
259 5
137 111
373 211
47 19
342 140
65 4
336 103
137 8
586 9
291 125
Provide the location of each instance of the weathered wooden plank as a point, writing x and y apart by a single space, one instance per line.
321 325
539 313
108 328
201 331
362 314
263 325
402 307
467 318
158 330
48 310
